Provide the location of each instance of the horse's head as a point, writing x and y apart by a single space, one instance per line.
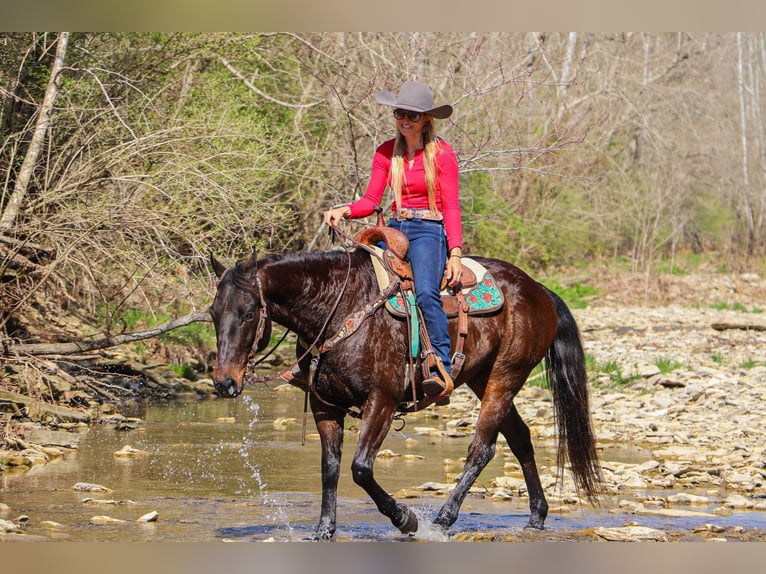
241 323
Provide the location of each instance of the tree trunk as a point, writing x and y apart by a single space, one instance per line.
748 210
11 212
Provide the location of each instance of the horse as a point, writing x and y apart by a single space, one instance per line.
312 294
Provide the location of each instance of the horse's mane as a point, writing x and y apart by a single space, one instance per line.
326 261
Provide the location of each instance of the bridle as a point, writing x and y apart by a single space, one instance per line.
312 349
315 348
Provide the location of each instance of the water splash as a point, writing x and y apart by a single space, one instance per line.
253 469
427 530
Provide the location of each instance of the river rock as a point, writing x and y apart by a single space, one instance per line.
128 451
102 520
282 423
90 487
630 534
105 501
51 524
149 517
737 501
686 498
8 526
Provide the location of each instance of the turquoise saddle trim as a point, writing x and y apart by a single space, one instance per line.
484 297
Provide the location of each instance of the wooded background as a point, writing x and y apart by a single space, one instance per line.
127 158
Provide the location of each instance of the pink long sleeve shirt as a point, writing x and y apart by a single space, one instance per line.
414 189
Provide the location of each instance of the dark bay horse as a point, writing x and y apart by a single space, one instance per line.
312 294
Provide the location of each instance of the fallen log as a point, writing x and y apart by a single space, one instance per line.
37 407
72 347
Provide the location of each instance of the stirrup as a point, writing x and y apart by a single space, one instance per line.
437 389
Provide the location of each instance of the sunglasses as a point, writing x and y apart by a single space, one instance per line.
412 116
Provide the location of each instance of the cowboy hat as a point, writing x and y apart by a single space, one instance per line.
414 96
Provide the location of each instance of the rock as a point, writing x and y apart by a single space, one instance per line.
52 525
630 534
685 498
386 453
407 493
149 517
105 502
8 526
436 487
508 483
89 487
499 494
710 528
413 457
283 422
102 520
737 501
670 512
129 452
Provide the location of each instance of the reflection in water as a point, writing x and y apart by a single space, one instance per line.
228 470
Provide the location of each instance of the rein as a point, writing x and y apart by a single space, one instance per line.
349 327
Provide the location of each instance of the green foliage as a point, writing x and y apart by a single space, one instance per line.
737 306
748 364
538 377
200 335
575 295
666 365
185 371
490 227
614 372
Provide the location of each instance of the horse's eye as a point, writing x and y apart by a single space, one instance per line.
249 316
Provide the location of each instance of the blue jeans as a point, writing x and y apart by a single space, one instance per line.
428 257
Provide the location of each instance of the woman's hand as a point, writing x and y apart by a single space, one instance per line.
454 270
334 215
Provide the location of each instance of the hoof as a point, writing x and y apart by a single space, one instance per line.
536 524
441 528
321 533
409 524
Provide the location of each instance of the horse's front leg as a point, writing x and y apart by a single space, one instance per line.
376 421
330 428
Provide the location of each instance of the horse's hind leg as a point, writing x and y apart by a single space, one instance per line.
481 450
516 433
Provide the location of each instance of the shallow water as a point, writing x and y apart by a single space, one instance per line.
222 470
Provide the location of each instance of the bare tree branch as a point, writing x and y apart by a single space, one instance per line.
105 342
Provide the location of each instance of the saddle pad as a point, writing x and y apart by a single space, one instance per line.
484 297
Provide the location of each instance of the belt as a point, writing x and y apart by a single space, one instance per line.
407 213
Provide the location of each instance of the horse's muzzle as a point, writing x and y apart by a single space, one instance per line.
228 388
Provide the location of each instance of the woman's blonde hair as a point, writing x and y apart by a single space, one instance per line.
430 144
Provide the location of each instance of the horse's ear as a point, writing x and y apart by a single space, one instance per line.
218 267
250 266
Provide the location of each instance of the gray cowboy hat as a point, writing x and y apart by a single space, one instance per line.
414 96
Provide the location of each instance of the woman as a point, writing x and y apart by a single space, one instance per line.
422 172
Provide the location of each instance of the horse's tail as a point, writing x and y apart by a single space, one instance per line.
569 384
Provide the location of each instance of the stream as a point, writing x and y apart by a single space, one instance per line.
235 470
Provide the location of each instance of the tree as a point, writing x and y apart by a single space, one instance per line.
12 207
